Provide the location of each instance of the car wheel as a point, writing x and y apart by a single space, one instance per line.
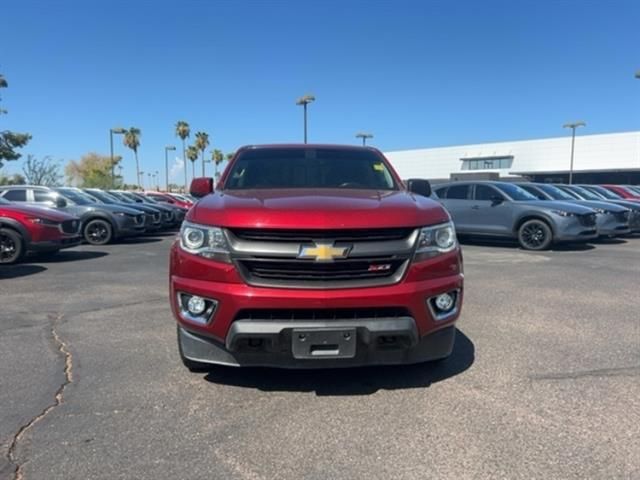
193 366
535 235
11 246
98 232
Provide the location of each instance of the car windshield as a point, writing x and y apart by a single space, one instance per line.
554 192
515 192
122 197
4 202
309 168
632 190
603 192
584 193
75 196
102 196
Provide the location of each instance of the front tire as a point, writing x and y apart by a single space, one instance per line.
11 246
535 235
98 232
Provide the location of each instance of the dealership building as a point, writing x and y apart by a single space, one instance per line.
602 158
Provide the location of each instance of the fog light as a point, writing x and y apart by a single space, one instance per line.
196 305
445 302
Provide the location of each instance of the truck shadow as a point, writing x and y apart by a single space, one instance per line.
349 381
20 270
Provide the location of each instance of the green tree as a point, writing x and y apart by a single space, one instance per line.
229 156
192 154
132 140
15 179
10 141
92 171
217 157
202 142
183 131
44 171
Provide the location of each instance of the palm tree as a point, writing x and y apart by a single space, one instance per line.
192 154
202 142
183 131
218 157
229 156
132 140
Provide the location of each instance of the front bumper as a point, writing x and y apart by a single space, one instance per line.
571 229
126 226
53 245
609 225
372 338
239 303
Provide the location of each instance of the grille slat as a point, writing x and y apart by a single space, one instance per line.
588 220
322 314
307 236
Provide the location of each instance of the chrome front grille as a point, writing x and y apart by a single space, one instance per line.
271 258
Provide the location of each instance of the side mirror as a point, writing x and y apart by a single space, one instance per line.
201 187
496 200
60 202
419 186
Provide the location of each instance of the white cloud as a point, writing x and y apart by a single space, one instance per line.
176 168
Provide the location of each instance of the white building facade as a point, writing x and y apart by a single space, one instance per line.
601 158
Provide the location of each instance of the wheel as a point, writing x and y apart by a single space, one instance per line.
535 235
98 232
193 366
11 246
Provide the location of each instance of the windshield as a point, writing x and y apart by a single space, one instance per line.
603 192
584 193
554 192
309 168
4 202
102 196
122 197
632 190
75 196
515 192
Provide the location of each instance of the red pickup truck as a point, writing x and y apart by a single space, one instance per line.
312 256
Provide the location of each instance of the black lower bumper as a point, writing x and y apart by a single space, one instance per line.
280 344
53 245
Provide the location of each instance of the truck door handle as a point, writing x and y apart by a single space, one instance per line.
475 207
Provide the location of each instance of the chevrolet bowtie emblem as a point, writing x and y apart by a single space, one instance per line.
323 252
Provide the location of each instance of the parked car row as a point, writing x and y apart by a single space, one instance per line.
538 215
42 219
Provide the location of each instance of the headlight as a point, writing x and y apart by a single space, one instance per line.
43 221
562 213
437 239
600 210
205 241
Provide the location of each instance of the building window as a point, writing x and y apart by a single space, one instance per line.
487 163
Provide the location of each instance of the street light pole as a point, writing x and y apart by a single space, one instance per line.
166 163
573 127
304 101
111 132
364 137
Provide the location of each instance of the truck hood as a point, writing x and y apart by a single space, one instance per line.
316 209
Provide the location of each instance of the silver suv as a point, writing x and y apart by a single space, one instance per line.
499 209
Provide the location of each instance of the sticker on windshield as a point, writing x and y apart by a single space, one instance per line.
378 167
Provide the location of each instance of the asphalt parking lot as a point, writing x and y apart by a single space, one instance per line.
544 381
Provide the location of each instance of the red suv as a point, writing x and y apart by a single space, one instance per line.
314 256
34 229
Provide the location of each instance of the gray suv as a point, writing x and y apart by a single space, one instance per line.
100 223
498 209
612 220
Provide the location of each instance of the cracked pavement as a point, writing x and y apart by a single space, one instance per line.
544 383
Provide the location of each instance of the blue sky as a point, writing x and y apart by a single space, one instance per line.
414 73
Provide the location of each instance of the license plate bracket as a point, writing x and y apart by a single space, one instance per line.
318 343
